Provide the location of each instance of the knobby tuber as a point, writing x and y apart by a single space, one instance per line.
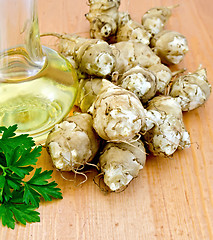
165 131
103 18
170 46
123 18
73 143
163 75
90 56
140 81
94 57
121 162
155 19
129 54
132 30
191 90
117 113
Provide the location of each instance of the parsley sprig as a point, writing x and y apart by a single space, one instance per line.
20 197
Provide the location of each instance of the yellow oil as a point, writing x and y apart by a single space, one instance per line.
36 98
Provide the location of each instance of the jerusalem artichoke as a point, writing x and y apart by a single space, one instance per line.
129 54
123 18
163 75
140 81
117 113
167 132
191 90
103 18
94 57
170 46
73 143
90 56
121 162
132 30
155 19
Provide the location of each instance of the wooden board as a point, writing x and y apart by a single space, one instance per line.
172 197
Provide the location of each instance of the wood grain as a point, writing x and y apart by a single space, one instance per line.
172 197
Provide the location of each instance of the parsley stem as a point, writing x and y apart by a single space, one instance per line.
4 170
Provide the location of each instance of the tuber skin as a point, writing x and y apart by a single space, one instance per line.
103 17
121 162
163 75
94 57
123 18
129 54
67 43
164 130
117 113
191 90
170 46
73 143
90 56
132 30
154 19
140 81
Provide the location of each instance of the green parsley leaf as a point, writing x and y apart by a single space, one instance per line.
10 140
21 161
38 186
8 132
6 193
20 198
23 213
17 196
14 182
7 216
31 196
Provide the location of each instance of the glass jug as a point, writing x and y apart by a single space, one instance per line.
38 86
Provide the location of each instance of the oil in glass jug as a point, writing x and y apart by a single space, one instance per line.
38 86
